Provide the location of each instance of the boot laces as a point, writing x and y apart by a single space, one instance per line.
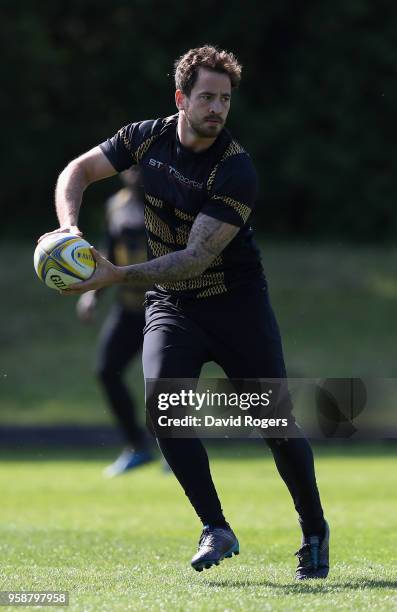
308 555
207 537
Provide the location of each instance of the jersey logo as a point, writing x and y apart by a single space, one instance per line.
175 174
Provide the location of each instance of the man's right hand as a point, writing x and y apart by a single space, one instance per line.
67 229
86 306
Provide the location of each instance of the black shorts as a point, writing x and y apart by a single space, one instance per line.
238 331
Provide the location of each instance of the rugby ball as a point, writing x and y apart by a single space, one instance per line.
63 259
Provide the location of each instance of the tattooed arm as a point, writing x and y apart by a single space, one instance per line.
207 239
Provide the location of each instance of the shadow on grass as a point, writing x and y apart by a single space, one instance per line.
218 449
45 454
306 586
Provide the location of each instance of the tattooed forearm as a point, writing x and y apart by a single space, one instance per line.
208 238
174 266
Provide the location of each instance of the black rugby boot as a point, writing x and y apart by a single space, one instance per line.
313 556
215 544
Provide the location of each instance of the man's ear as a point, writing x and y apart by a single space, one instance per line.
180 100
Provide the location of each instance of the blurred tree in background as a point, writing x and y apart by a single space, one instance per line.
315 110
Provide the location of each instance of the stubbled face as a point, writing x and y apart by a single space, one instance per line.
207 106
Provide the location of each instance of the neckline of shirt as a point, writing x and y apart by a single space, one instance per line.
196 154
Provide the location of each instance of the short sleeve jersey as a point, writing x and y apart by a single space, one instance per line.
179 184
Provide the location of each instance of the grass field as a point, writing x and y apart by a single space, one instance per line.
126 544
336 308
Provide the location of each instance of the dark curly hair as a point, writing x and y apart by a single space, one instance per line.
187 66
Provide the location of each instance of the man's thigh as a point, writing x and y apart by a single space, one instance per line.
173 346
246 339
248 346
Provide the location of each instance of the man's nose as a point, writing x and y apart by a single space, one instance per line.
216 106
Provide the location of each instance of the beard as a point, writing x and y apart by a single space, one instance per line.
203 129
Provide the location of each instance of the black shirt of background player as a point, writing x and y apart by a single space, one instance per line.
126 241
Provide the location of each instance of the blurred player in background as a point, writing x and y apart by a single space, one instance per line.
121 336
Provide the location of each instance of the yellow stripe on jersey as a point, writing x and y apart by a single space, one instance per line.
234 148
158 249
206 279
182 234
144 147
242 209
157 226
154 201
215 290
183 215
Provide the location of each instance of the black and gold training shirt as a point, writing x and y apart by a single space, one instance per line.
179 184
126 241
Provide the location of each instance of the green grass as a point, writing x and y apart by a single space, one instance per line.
336 308
126 544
